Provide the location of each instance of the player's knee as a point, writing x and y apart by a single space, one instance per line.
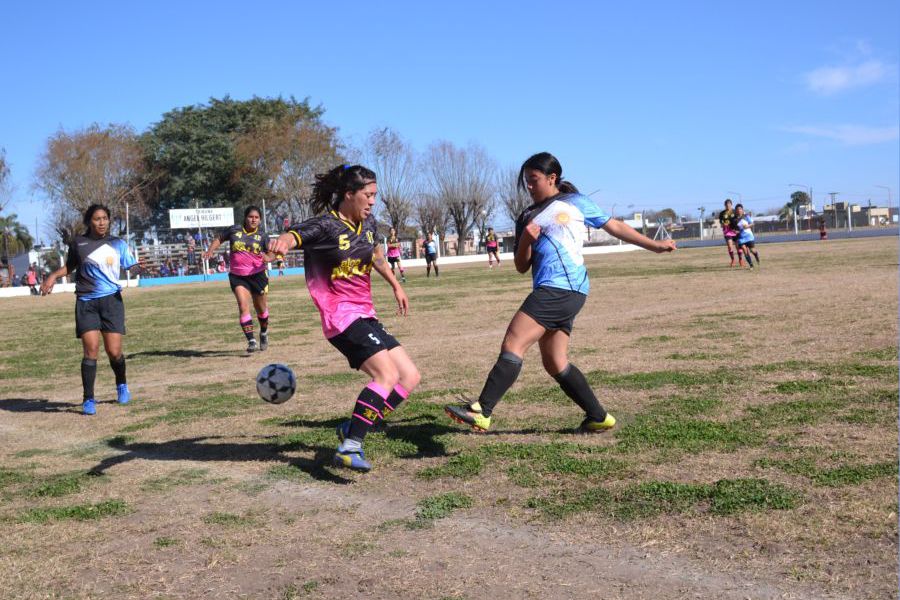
410 379
554 365
388 377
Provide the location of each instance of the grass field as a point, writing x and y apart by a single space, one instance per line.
755 456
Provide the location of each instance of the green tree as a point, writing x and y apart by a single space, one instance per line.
14 237
193 149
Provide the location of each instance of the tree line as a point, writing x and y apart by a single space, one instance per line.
228 152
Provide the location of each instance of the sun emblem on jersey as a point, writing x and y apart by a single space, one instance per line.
563 218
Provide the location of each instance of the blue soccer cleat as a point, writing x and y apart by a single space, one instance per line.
352 460
122 393
89 407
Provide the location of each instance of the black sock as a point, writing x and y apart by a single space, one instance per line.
263 322
367 411
502 376
576 387
88 375
747 256
436 273
118 367
756 255
247 326
397 395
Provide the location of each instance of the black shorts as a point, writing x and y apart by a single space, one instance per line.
430 258
363 339
750 244
100 314
257 284
393 259
553 308
492 250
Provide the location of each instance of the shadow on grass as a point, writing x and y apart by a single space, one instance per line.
411 437
198 449
38 405
189 353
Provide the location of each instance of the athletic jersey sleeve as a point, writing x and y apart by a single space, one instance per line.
126 258
308 232
593 214
225 235
72 262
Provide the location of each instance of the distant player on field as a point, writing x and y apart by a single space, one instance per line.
728 221
746 240
96 258
430 248
340 249
549 237
492 245
393 253
247 276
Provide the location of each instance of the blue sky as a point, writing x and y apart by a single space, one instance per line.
657 104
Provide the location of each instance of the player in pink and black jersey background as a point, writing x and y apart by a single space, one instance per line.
340 249
248 276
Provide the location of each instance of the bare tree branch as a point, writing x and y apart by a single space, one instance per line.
102 165
394 163
463 180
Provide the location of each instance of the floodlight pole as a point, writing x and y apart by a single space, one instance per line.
890 217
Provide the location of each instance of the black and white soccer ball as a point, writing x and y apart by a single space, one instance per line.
276 383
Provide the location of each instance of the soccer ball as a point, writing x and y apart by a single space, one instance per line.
276 383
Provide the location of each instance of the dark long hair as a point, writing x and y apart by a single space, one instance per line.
547 164
89 214
330 187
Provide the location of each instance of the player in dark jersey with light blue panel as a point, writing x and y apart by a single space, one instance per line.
96 259
549 237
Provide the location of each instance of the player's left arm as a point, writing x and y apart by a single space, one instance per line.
128 261
629 235
379 263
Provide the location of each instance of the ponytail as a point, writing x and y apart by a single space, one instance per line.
330 187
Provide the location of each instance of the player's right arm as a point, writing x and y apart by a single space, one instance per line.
69 267
522 258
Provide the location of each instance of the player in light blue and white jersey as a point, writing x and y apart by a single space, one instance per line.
746 240
549 238
96 258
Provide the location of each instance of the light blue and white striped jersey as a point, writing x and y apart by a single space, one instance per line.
557 261
745 235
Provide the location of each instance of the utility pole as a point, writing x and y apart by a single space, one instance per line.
890 216
702 210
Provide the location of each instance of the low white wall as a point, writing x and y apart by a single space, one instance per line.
59 288
413 262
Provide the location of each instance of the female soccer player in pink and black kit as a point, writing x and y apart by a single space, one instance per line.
248 277
393 253
340 249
